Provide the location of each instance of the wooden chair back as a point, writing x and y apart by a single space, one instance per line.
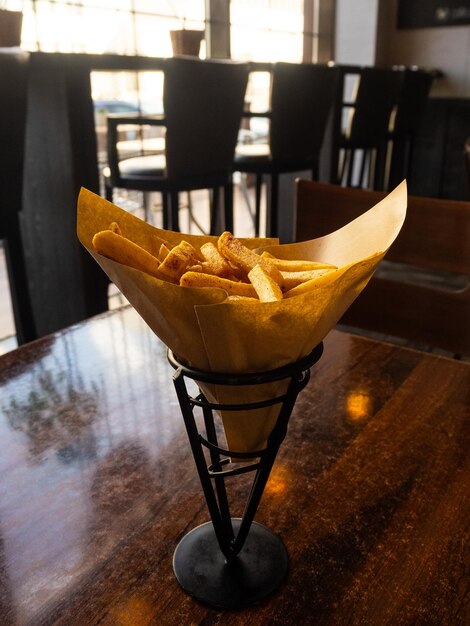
203 102
302 96
377 93
414 92
467 163
376 97
421 291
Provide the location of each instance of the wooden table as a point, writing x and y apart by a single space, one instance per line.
97 485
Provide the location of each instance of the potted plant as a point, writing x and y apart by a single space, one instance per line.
11 23
186 41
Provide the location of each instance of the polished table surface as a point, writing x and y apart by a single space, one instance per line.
97 485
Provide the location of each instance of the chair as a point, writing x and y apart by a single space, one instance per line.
301 99
203 105
421 290
13 76
377 93
414 91
467 163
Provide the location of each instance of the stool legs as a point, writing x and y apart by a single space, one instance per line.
228 206
259 184
217 225
166 211
214 221
174 211
272 217
108 191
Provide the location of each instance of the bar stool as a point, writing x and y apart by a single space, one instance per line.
414 92
301 99
376 95
13 77
203 106
467 162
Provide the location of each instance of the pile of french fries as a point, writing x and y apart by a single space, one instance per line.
229 265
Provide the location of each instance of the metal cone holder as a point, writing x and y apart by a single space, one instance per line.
233 562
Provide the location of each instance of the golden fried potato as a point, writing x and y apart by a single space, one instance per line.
267 289
241 299
197 279
122 250
115 228
288 265
311 285
244 258
155 244
196 268
215 262
163 252
178 260
232 266
292 279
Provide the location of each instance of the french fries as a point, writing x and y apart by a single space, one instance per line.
198 279
216 263
292 279
311 285
123 250
163 252
267 288
177 261
114 226
245 275
244 258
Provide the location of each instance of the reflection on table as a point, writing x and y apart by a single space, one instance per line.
97 485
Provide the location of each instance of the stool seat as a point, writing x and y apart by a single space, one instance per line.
254 151
151 165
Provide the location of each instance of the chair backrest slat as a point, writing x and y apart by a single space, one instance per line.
434 237
203 102
377 94
414 92
302 97
467 162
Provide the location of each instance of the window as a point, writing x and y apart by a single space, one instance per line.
260 30
267 30
270 31
139 27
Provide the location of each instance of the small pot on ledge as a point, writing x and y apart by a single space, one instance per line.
186 42
11 23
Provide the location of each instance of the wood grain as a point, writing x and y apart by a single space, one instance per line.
97 485
421 292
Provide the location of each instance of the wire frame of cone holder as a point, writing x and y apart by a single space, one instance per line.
231 562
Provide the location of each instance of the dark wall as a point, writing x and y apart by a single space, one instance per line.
432 13
438 165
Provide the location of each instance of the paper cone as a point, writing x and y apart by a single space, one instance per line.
211 333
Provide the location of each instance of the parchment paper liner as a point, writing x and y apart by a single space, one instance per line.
213 334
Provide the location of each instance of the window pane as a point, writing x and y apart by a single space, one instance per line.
113 26
267 30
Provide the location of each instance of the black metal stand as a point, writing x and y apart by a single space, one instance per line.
233 562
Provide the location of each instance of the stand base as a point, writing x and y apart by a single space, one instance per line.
202 571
